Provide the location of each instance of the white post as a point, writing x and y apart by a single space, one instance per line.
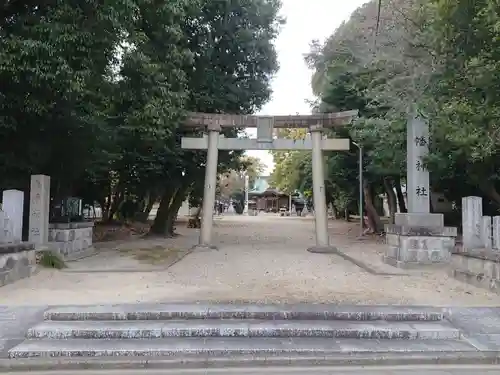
12 206
360 177
319 198
209 191
245 211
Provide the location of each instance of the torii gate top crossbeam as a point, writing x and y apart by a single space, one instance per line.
196 120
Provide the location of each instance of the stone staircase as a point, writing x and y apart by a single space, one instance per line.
194 330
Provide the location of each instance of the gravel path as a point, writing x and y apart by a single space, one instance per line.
261 259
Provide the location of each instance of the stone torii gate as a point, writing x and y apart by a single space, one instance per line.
214 141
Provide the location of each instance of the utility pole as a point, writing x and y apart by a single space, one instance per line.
360 173
245 211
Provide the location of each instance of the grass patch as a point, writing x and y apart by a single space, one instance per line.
155 255
49 259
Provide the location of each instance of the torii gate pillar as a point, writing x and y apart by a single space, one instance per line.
209 189
319 194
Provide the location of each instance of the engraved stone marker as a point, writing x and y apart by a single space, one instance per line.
12 206
496 232
486 237
421 236
6 232
39 209
472 213
417 174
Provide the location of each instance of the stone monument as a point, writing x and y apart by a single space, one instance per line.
418 237
6 229
39 210
472 213
496 233
486 233
12 206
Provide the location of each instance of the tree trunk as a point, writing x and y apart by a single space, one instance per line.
167 211
144 215
391 199
400 196
335 211
115 205
107 207
158 226
347 217
198 212
173 211
373 218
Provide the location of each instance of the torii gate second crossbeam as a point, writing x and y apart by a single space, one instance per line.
213 142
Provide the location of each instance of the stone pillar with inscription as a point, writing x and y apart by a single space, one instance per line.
496 233
472 213
39 210
12 206
418 237
486 233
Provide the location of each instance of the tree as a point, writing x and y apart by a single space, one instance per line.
232 182
55 61
463 100
149 95
288 165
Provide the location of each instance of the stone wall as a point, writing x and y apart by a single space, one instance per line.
480 268
17 261
71 240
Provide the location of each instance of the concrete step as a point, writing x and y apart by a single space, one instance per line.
142 329
245 311
207 347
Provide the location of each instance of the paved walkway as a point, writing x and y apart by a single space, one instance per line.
261 259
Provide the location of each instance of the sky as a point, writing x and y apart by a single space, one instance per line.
305 21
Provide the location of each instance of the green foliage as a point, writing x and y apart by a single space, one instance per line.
49 259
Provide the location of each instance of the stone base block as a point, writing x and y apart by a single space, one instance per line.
411 247
420 220
480 268
72 240
18 264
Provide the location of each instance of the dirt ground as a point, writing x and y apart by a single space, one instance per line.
260 259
